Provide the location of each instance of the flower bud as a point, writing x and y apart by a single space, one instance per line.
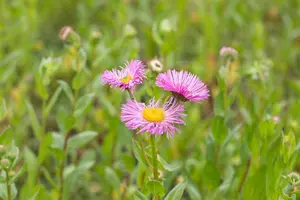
129 30
228 51
4 163
165 26
276 119
11 173
3 149
156 65
67 34
294 177
11 155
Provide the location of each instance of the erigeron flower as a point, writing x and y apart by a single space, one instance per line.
125 78
154 118
183 85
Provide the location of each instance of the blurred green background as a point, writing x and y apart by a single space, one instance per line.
230 148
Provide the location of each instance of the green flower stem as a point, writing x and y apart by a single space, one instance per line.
154 157
8 186
62 166
132 97
154 160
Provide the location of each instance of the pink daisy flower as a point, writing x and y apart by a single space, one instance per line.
183 85
125 78
152 118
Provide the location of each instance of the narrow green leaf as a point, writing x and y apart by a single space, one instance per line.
82 104
34 120
68 90
35 195
137 151
193 192
17 175
139 196
44 151
3 110
81 139
48 177
167 166
177 192
31 164
79 80
53 100
112 178
219 129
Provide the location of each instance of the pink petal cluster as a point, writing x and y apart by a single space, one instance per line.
132 116
228 51
184 84
135 69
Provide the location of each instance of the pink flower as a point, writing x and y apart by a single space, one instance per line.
125 78
152 118
183 85
228 51
276 118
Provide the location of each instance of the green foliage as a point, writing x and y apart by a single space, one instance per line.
60 132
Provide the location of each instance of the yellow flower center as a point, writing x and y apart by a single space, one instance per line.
126 79
154 114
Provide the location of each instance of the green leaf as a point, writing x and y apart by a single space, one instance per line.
112 178
35 195
3 110
57 141
219 104
31 164
34 120
40 87
79 80
68 90
177 192
81 139
139 196
3 190
288 146
212 175
128 161
17 175
193 192
53 100
82 104
138 153
219 129
156 35
14 149
48 176
65 120
44 148
167 166
155 187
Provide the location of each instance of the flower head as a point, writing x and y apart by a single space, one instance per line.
65 32
276 119
228 51
184 85
156 65
152 118
125 78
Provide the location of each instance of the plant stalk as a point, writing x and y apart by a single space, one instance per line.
154 160
8 186
62 166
